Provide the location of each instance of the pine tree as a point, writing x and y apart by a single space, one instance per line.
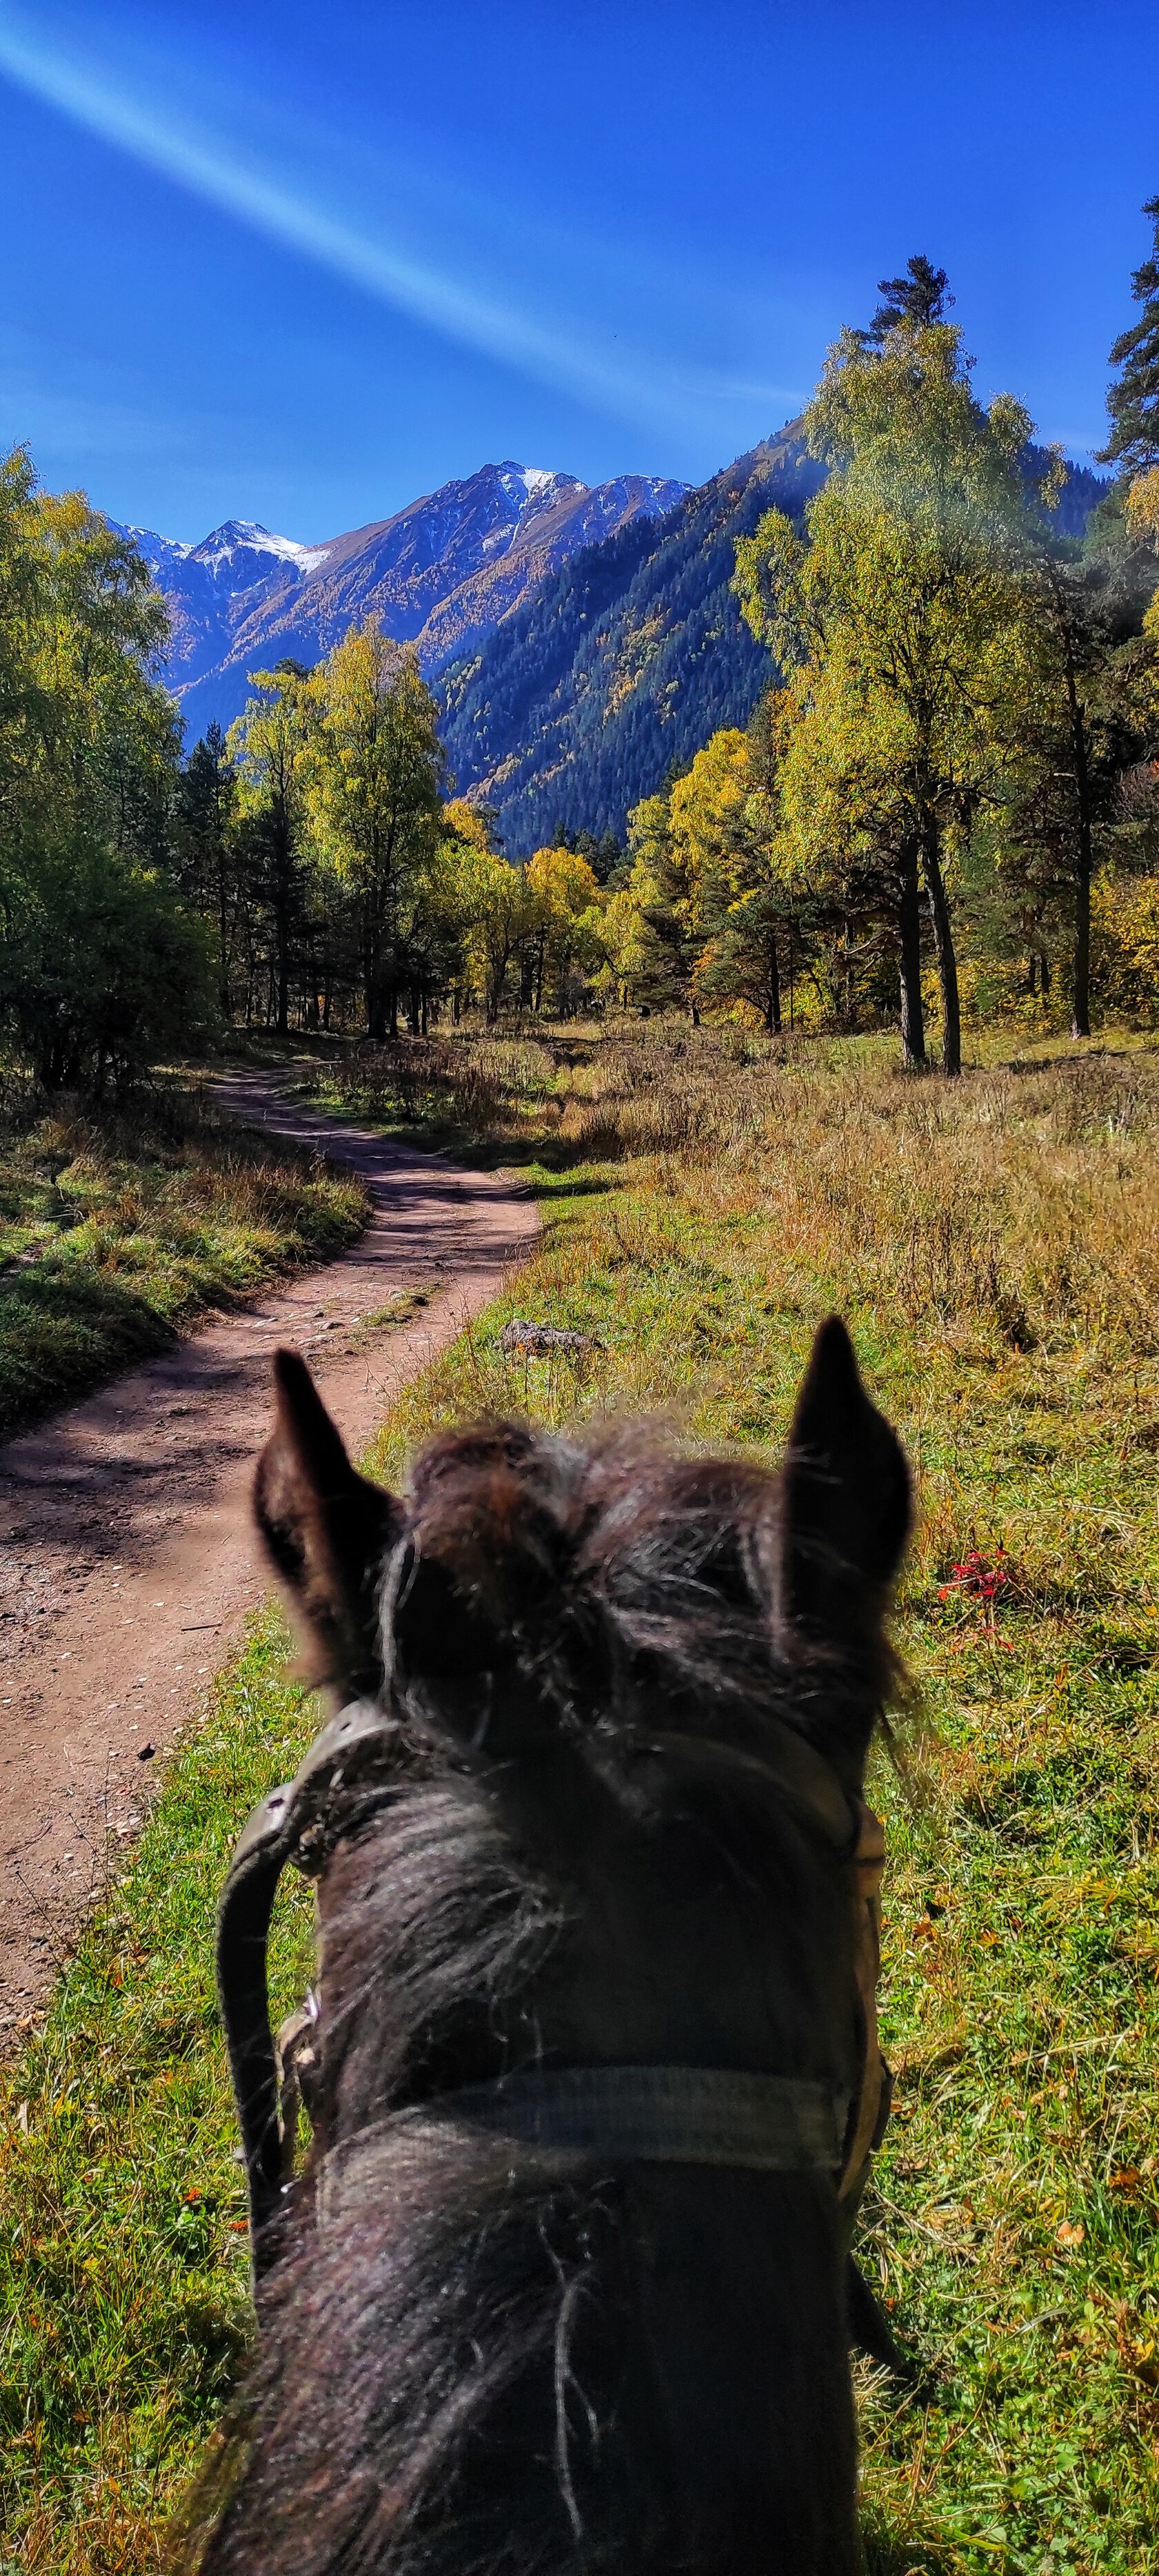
208 863
267 745
919 298
1133 403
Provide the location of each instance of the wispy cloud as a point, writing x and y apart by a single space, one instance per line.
102 101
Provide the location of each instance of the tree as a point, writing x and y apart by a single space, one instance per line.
498 909
565 943
267 746
849 849
1133 404
99 966
209 862
1065 729
374 774
101 971
723 824
655 925
884 618
601 850
916 301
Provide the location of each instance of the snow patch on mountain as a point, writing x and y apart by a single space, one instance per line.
248 537
156 550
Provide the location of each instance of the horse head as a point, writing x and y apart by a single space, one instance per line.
591 2064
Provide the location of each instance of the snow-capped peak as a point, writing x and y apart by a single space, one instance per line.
155 549
528 487
236 535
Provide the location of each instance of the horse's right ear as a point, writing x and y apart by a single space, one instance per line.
327 1530
846 1507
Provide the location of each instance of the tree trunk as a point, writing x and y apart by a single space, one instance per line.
223 941
773 1000
944 945
281 903
849 1007
909 929
1080 1007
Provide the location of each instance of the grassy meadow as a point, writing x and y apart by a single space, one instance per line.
994 1245
119 1226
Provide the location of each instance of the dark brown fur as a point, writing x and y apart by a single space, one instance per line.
505 2363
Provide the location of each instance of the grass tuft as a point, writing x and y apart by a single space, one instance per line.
118 1227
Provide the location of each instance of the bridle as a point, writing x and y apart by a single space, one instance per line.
664 2114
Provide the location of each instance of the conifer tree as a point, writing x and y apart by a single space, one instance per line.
208 857
919 298
268 744
1133 403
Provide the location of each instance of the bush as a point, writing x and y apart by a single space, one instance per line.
102 972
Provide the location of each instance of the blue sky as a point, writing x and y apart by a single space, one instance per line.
299 264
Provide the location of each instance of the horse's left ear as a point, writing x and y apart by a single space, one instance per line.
846 1506
327 1530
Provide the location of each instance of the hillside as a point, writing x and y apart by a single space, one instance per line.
633 653
440 572
624 662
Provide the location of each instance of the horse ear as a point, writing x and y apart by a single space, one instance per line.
846 1496
326 1529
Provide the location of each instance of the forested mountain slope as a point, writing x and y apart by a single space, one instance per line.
633 653
622 665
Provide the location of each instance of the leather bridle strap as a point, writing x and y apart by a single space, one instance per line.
277 1832
876 2089
682 2115
676 2115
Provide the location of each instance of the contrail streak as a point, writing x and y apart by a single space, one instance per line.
268 206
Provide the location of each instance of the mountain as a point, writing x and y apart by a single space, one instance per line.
623 662
442 573
617 670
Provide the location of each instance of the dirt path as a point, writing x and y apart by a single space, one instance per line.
127 1560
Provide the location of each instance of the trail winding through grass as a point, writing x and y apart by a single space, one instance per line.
127 1559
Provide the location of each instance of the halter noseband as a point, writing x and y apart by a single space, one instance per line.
664 2114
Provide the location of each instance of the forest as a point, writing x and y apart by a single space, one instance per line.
941 810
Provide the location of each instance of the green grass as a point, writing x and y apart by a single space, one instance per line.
119 1227
122 2240
994 1249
